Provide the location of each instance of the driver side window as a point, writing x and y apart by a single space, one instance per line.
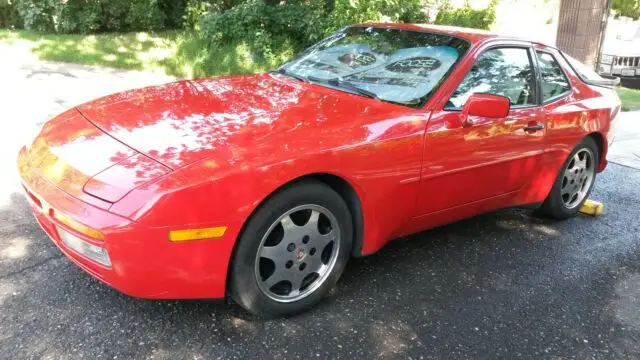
501 71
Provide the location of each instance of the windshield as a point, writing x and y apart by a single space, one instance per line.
395 65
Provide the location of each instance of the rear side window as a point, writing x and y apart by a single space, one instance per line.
502 71
554 82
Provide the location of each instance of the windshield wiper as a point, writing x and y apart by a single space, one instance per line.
284 72
337 82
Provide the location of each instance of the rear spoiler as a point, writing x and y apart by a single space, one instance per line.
606 81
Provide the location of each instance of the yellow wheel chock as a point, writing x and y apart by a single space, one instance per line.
592 208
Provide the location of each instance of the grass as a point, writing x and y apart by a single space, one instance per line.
630 99
177 53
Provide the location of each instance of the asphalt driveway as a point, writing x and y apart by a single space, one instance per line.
501 285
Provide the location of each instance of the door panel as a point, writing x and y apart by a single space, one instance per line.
494 157
490 158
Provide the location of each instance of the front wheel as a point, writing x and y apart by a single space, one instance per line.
292 250
574 182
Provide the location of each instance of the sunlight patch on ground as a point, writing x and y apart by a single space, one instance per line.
512 224
391 338
15 248
547 230
242 325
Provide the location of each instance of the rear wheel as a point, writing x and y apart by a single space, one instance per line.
574 182
292 250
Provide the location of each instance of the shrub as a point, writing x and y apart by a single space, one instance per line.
263 27
9 17
145 15
79 16
37 15
467 16
87 16
194 9
132 15
347 12
174 12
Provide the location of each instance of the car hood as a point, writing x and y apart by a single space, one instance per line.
179 123
86 163
102 150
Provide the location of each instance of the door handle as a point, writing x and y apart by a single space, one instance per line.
535 127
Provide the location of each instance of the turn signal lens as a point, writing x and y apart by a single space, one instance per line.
197 234
81 228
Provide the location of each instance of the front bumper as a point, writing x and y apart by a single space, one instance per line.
144 263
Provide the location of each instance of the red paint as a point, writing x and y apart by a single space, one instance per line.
206 153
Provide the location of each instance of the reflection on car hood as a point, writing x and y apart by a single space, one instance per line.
81 160
179 123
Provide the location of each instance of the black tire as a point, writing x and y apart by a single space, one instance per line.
243 281
554 205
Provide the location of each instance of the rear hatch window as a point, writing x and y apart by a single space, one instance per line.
588 75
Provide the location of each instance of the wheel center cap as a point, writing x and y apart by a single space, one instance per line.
300 254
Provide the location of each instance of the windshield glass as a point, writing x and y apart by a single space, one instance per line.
395 65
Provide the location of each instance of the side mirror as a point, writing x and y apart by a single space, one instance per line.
484 105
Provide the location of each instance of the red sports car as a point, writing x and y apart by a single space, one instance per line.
263 186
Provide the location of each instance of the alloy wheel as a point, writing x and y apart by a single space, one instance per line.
297 253
577 178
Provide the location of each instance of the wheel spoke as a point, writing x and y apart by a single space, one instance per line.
321 241
289 227
311 227
570 174
278 275
296 282
274 252
314 263
292 232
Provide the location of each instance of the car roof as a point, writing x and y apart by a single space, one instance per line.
474 36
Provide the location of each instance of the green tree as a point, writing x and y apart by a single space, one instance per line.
466 16
630 8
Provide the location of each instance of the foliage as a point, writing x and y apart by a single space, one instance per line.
79 16
37 15
194 9
261 26
174 11
467 16
630 8
9 17
132 15
90 16
304 21
347 12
